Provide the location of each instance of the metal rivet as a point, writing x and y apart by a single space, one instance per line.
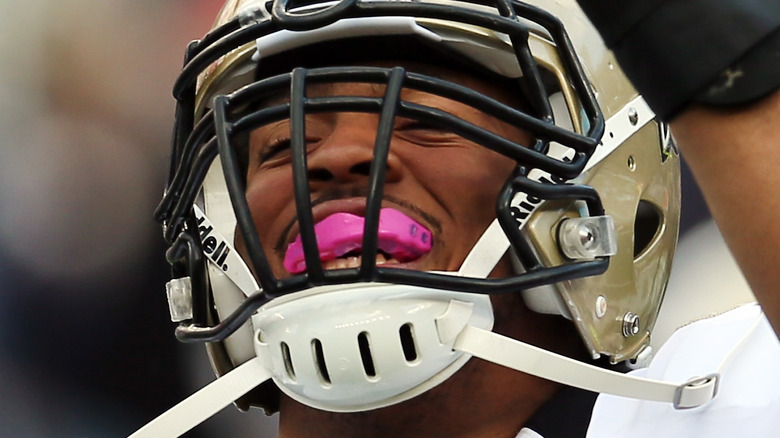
630 324
631 163
601 306
633 116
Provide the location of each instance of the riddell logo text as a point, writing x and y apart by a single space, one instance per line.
523 210
215 248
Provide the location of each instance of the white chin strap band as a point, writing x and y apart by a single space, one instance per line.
477 342
209 400
453 330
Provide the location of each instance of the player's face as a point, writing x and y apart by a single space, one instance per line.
435 179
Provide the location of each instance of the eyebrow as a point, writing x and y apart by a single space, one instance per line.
317 89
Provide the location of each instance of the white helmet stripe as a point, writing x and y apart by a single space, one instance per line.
223 256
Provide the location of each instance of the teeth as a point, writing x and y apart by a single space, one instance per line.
354 262
349 262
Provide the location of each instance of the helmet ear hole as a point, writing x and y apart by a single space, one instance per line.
647 224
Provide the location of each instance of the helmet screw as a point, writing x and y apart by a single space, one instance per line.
587 237
633 116
630 324
631 163
601 306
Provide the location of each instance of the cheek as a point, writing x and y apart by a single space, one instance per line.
477 194
466 185
472 181
267 196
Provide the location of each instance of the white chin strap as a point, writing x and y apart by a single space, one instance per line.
455 330
478 342
474 341
209 400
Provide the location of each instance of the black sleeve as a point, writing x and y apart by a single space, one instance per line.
720 52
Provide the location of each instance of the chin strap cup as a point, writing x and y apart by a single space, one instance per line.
452 322
206 402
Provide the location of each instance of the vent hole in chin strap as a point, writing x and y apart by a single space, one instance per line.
288 365
365 354
319 359
407 342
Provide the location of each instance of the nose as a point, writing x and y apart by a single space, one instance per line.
346 153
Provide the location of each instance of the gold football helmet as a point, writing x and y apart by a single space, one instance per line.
589 218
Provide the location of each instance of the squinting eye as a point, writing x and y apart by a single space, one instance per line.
425 134
279 149
416 125
274 148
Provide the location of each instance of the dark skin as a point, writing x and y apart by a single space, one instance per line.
456 202
741 143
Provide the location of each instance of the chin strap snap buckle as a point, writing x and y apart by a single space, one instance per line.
696 392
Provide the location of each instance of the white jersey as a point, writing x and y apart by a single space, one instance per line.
741 346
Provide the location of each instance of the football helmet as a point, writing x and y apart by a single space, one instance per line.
589 218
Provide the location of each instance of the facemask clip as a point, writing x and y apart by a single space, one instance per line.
179 291
588 237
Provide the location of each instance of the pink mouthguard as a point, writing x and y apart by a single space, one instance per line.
340 233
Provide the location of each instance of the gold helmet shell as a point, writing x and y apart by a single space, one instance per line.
593 130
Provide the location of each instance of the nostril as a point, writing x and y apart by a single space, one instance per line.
363 168
320 174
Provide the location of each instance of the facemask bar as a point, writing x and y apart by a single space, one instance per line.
224 39
186 259
391 103
548 192
194 149
229 123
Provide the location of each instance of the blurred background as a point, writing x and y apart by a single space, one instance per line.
86 345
